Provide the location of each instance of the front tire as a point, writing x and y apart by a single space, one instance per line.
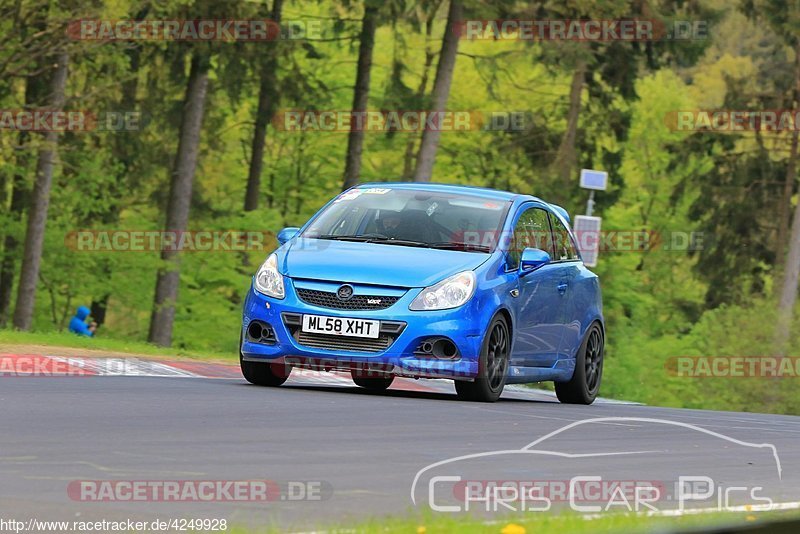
492 365
585 382
263 374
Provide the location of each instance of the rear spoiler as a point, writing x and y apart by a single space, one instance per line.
561 211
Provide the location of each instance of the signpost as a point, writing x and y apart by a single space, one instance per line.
587 227
587 233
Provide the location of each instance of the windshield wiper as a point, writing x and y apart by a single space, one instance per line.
466 247
343 237
374 238
386 240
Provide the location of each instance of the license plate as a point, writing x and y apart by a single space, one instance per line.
341 326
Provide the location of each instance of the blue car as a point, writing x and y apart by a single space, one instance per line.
482 287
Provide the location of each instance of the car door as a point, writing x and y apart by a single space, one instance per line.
569 267
538 302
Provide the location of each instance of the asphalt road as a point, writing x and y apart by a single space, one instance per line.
358 452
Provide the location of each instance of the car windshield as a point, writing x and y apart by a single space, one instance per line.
410 217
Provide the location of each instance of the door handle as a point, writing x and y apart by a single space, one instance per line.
562 287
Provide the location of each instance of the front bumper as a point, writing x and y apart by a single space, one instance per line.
461 325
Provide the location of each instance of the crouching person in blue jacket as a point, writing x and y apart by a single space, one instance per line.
78 323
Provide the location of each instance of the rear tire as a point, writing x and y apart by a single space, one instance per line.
492 365
263 374
373 383
585 382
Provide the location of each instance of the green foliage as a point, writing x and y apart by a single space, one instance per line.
661 301
643 368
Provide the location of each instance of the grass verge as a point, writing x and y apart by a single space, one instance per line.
545 523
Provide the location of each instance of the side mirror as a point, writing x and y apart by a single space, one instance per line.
287 233
532 259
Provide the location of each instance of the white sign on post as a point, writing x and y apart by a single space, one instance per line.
591 179
587 234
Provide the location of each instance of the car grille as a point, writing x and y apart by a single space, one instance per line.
327 299
353 344
388 334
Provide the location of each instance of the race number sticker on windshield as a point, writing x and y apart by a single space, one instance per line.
375 191
341 326
348 195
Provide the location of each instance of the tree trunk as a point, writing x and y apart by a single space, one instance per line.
441 90
35 91
565 157
126 153
791 175
408 158
10 243
786 204
180 197
40 202
355 140
791 271
267 103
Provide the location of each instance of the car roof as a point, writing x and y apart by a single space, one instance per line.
484 192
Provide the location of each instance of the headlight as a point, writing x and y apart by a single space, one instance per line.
449 293
268 280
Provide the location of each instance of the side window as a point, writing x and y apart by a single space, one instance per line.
564 247
532 230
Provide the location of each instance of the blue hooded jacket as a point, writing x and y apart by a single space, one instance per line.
77 324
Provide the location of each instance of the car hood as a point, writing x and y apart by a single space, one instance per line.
373 263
